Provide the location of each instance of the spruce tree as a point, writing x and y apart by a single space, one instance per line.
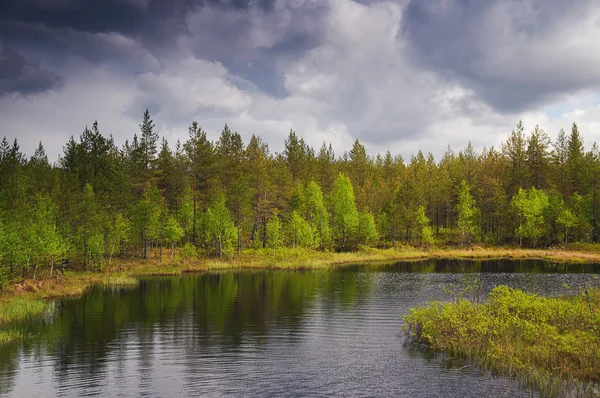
148 143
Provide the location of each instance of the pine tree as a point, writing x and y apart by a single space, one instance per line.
298 157
538 158
200 153
515 151
148 143
575 162
559 158
257 172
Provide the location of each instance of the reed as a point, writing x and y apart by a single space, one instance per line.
551 344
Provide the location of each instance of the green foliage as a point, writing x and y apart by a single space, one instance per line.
366 233
220 229
4 271
567 220
100 200
45 243
424 231
172 231
300 232
543 341
146 218
317 214
530 206
274 234
19 309
345 215
118 234
188 251
467 214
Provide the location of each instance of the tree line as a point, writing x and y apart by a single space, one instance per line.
216 198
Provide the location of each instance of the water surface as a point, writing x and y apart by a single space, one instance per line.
270 333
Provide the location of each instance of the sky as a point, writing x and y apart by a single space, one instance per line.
403 75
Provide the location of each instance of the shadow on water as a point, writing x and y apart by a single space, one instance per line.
485 266
331 332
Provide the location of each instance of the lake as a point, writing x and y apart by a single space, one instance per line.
335 332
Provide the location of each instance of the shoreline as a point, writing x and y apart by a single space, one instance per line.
74 283
30 298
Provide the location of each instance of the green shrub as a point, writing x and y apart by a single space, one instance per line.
188 251
544 341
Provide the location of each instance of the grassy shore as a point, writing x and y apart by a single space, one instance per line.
123 272
550 344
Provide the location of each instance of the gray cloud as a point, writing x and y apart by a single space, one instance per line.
514 54
22 76
131 34
406 75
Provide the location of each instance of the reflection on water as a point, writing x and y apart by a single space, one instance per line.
335 332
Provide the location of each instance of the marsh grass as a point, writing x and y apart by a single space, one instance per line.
119 281
8 336
20 308
15 311
550 344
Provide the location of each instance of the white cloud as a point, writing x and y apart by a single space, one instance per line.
53 116
358 80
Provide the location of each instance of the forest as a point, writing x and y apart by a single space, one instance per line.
202 198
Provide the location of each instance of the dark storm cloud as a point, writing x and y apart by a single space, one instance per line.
52 31
501 49
122 16
19 75
89 16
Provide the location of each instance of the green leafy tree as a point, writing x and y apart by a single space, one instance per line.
4 269
172 232
383 225
146 218
367 230
579 205
530 206
316 214
274 234
118 234
46 245
425 233
345 215
567 220
300 232
467 214
220 229
89 224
